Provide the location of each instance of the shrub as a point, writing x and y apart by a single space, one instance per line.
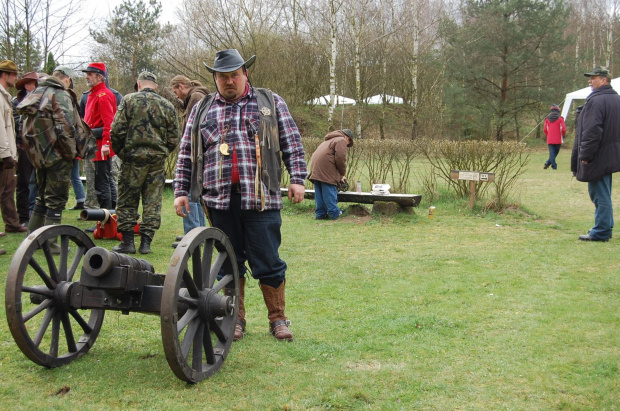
507 160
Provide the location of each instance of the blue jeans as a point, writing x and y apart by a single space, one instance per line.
255 237
600 194
195 217
554 149
78 187
326 200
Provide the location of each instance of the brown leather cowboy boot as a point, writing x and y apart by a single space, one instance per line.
240 326
274 300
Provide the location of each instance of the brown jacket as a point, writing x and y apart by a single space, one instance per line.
329 162
194 95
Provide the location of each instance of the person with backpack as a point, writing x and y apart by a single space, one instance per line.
236 139
49 123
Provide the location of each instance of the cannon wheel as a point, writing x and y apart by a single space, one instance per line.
38 296
197 318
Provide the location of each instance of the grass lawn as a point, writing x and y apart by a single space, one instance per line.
464 311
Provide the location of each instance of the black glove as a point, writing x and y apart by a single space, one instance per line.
8 163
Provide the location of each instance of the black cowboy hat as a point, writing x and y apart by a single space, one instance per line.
229 60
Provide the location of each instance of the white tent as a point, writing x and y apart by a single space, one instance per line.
324 101
378 99
583 94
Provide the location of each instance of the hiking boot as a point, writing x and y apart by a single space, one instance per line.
127 245
78 206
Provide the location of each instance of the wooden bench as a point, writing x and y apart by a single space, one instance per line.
403 200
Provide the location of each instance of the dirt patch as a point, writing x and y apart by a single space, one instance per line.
357 213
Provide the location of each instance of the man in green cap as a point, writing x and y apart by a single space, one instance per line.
49 141
144 132
8 150
596 150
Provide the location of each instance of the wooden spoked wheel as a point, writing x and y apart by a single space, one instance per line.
198 314
39 285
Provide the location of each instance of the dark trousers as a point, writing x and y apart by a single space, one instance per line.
23 171
7 200
102 183
255 237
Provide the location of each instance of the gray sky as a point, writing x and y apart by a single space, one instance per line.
102 9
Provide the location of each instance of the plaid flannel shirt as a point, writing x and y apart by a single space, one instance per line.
217 168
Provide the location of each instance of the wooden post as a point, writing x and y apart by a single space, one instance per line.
472 177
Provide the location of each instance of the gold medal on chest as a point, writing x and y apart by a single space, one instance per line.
224 149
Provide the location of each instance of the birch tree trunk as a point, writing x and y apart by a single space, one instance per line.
332 65
414 68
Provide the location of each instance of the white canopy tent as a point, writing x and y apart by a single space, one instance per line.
378 99
582 95
324 101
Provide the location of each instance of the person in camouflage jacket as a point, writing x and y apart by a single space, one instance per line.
144 132
51 150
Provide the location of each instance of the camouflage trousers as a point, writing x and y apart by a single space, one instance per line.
53 184
89 170
140 181
91 195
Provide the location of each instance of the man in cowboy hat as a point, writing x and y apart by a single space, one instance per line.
240 133
26 84
8 150
99 114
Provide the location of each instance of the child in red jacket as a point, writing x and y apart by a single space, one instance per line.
555 130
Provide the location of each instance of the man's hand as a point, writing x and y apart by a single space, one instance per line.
105 151
296 193
181 204
8 163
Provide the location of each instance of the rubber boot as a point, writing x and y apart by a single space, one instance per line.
275 302
53 217
37 219
126 246
145 244
240 327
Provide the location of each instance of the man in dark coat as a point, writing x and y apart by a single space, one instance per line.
596 152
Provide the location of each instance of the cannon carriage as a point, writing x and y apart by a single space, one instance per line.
56 318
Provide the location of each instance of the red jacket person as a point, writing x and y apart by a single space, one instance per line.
99 115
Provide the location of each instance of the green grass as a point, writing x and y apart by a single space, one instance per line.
469 310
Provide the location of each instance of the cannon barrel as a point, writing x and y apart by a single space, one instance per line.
95 214
98 262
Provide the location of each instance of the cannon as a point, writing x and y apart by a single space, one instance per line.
55 318
106 223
